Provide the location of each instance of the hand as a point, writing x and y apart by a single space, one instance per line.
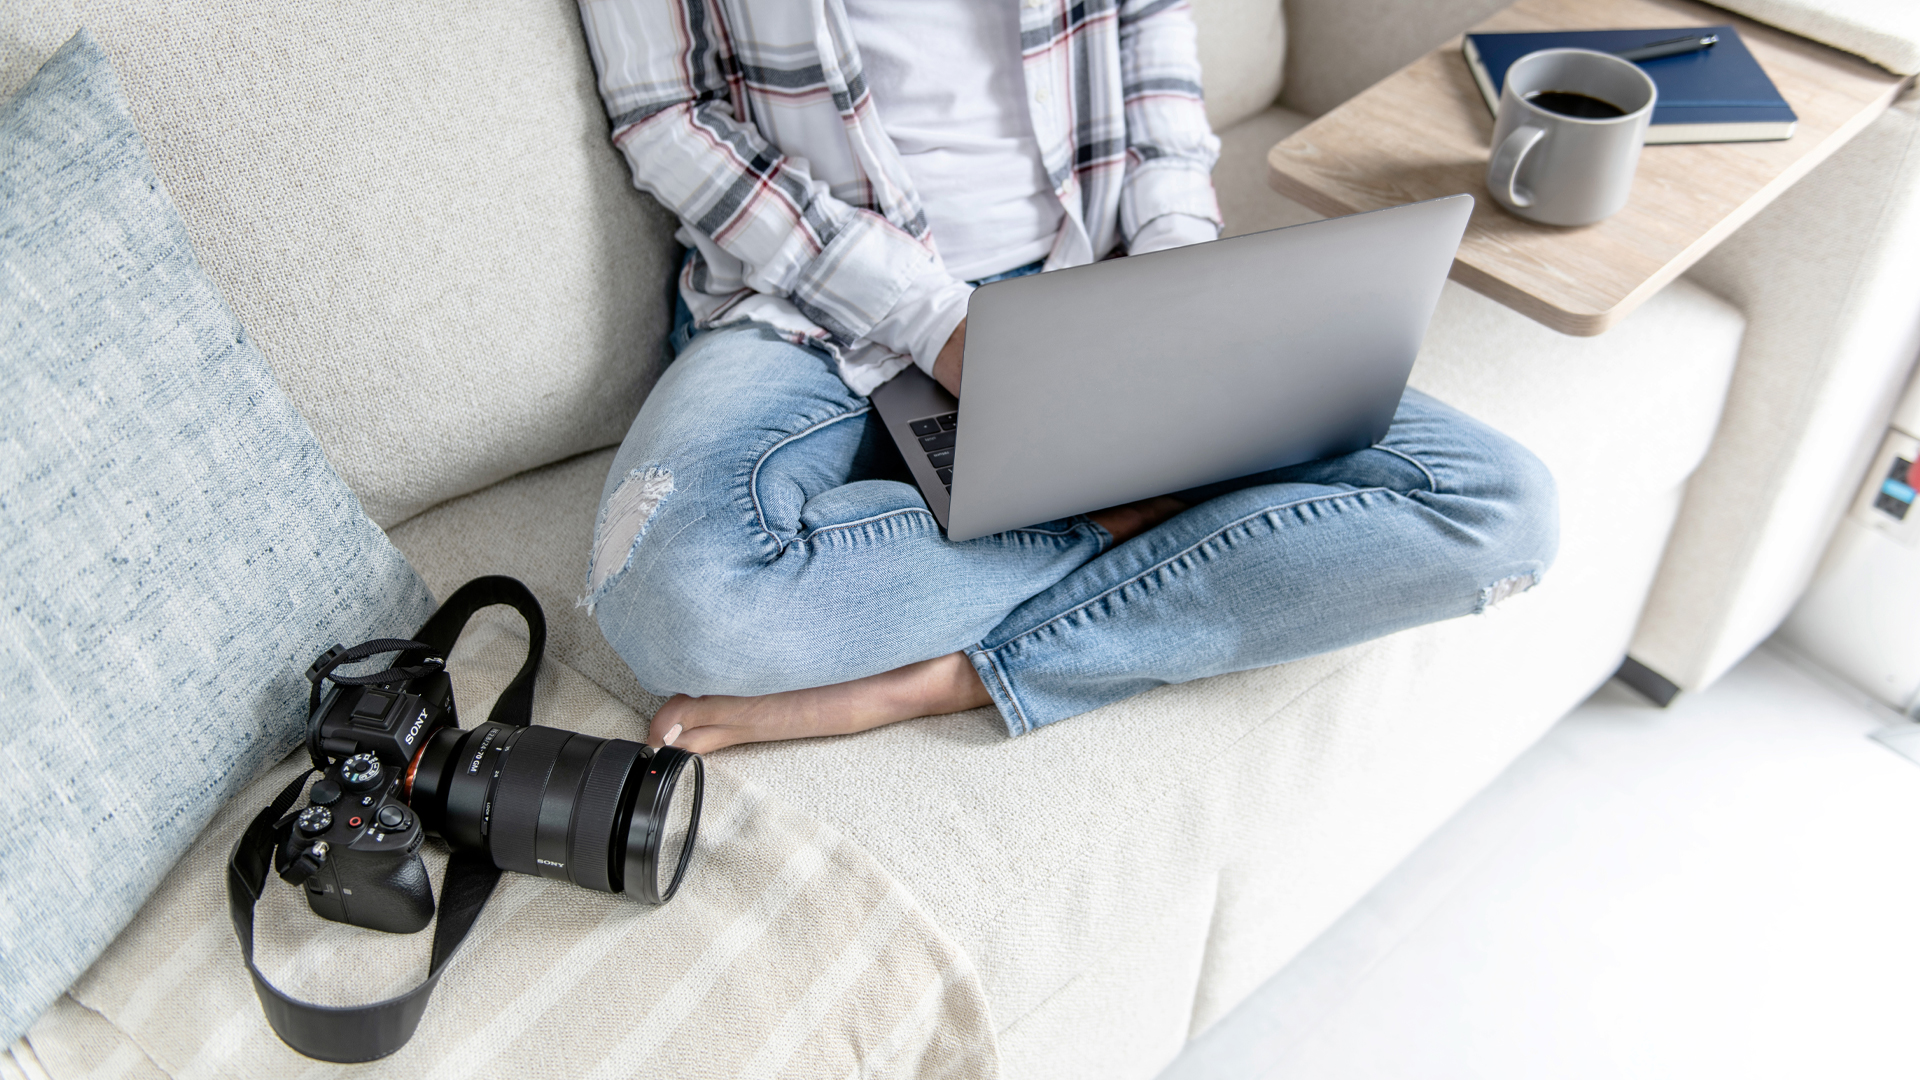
946 367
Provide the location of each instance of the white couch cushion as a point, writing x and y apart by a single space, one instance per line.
1337 48
1111 910
1247 203
432 241
1243 47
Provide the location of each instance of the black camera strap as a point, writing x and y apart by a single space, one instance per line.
357 1033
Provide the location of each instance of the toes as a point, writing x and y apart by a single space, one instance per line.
670 719
683 723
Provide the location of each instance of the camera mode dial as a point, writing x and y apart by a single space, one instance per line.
361 772
314 820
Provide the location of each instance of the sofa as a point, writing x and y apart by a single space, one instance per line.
415 213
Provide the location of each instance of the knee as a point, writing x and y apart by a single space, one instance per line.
1518 479
1520 505
638 580
696 626
1499 499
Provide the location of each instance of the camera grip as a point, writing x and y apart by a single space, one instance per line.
403 902
396 896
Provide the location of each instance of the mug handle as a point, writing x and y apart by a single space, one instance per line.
1504 171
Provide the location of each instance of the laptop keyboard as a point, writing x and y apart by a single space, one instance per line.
936 438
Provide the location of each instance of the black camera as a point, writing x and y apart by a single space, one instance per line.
607 814
395 766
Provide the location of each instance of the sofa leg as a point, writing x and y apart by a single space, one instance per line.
1651 684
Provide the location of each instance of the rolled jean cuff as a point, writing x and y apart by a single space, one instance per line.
994 678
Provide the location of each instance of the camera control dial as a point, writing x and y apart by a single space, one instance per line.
314 820
361 772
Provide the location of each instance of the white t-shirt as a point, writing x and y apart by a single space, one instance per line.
950 91
947 83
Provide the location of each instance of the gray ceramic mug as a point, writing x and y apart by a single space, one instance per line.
1559 168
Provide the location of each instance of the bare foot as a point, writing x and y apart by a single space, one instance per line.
944 684
1129 521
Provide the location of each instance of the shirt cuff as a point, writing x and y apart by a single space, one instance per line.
920 322
1172 231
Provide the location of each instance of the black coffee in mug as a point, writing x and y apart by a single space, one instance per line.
1575 104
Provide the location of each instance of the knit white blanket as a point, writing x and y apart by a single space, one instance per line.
789 953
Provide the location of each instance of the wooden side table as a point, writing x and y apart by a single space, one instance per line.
1423 132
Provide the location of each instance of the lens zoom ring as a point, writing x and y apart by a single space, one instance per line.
598 813
516 798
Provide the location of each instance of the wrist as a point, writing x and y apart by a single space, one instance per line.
946 365
921 320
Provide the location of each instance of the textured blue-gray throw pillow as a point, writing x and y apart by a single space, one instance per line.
174 548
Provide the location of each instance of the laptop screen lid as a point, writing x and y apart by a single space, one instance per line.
1102 384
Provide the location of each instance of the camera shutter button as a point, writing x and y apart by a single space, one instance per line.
391 817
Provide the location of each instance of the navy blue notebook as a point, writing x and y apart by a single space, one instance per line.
1713 95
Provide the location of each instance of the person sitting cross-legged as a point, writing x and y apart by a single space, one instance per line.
845 172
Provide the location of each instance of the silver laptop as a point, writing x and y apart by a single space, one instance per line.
1098 385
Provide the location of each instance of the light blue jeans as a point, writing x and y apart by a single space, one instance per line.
754 538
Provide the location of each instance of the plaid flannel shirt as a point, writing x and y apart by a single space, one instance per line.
751 120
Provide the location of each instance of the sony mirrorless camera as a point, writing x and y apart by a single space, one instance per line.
607 814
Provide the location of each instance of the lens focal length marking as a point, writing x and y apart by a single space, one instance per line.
486 743
517 798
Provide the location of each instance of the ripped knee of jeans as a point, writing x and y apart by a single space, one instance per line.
623 522
1506 587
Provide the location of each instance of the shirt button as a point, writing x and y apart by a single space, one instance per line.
1040 95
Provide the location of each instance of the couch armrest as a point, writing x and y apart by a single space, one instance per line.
1825 275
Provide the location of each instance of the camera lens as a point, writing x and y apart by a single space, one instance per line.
606 814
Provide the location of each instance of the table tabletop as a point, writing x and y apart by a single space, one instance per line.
1424 131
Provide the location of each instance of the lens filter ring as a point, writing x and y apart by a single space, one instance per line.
658 809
